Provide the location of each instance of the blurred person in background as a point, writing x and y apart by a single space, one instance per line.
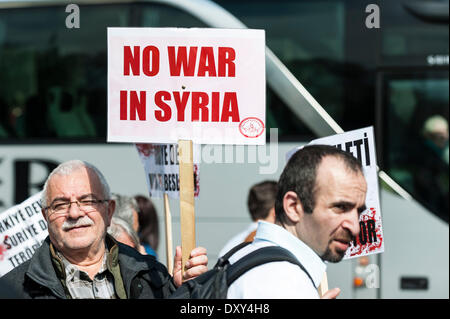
126 209
261 206
124 223
435 132
148 231
431 177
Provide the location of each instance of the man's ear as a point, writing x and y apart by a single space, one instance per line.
292 207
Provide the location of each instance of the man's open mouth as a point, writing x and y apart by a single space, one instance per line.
342 243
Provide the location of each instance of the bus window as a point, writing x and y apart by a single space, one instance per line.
53 79
313 39
416 122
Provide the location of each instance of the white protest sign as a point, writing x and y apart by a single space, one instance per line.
22 231
162 169
204 85
361 144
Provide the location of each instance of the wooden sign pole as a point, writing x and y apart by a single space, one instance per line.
187 205
323 287
168 221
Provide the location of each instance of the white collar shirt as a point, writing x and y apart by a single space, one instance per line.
239 238
278 280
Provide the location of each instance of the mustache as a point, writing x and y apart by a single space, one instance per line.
72 223
344 236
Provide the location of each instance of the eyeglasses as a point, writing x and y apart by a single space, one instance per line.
85 205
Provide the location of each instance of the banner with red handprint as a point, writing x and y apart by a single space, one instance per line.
162 170
361 144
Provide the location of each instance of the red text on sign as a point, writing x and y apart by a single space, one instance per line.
213 107
137 105
210 63
132 60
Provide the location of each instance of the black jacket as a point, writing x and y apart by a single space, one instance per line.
142 275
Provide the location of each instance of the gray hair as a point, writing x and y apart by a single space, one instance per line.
435 123
119 226
124 208
69 167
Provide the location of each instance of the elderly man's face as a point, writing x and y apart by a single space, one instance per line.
77 230
334 221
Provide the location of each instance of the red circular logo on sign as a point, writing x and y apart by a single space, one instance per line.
251 127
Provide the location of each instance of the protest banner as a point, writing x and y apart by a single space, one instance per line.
161 166
203 85
361 144
22 231
185 86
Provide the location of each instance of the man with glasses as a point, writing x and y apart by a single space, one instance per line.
79 260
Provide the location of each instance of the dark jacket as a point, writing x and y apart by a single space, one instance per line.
142 275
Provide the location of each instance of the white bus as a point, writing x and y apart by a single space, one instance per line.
331 66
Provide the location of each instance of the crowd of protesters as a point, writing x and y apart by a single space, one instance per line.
103 245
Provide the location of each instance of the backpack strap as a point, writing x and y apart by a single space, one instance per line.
222 261
259 257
